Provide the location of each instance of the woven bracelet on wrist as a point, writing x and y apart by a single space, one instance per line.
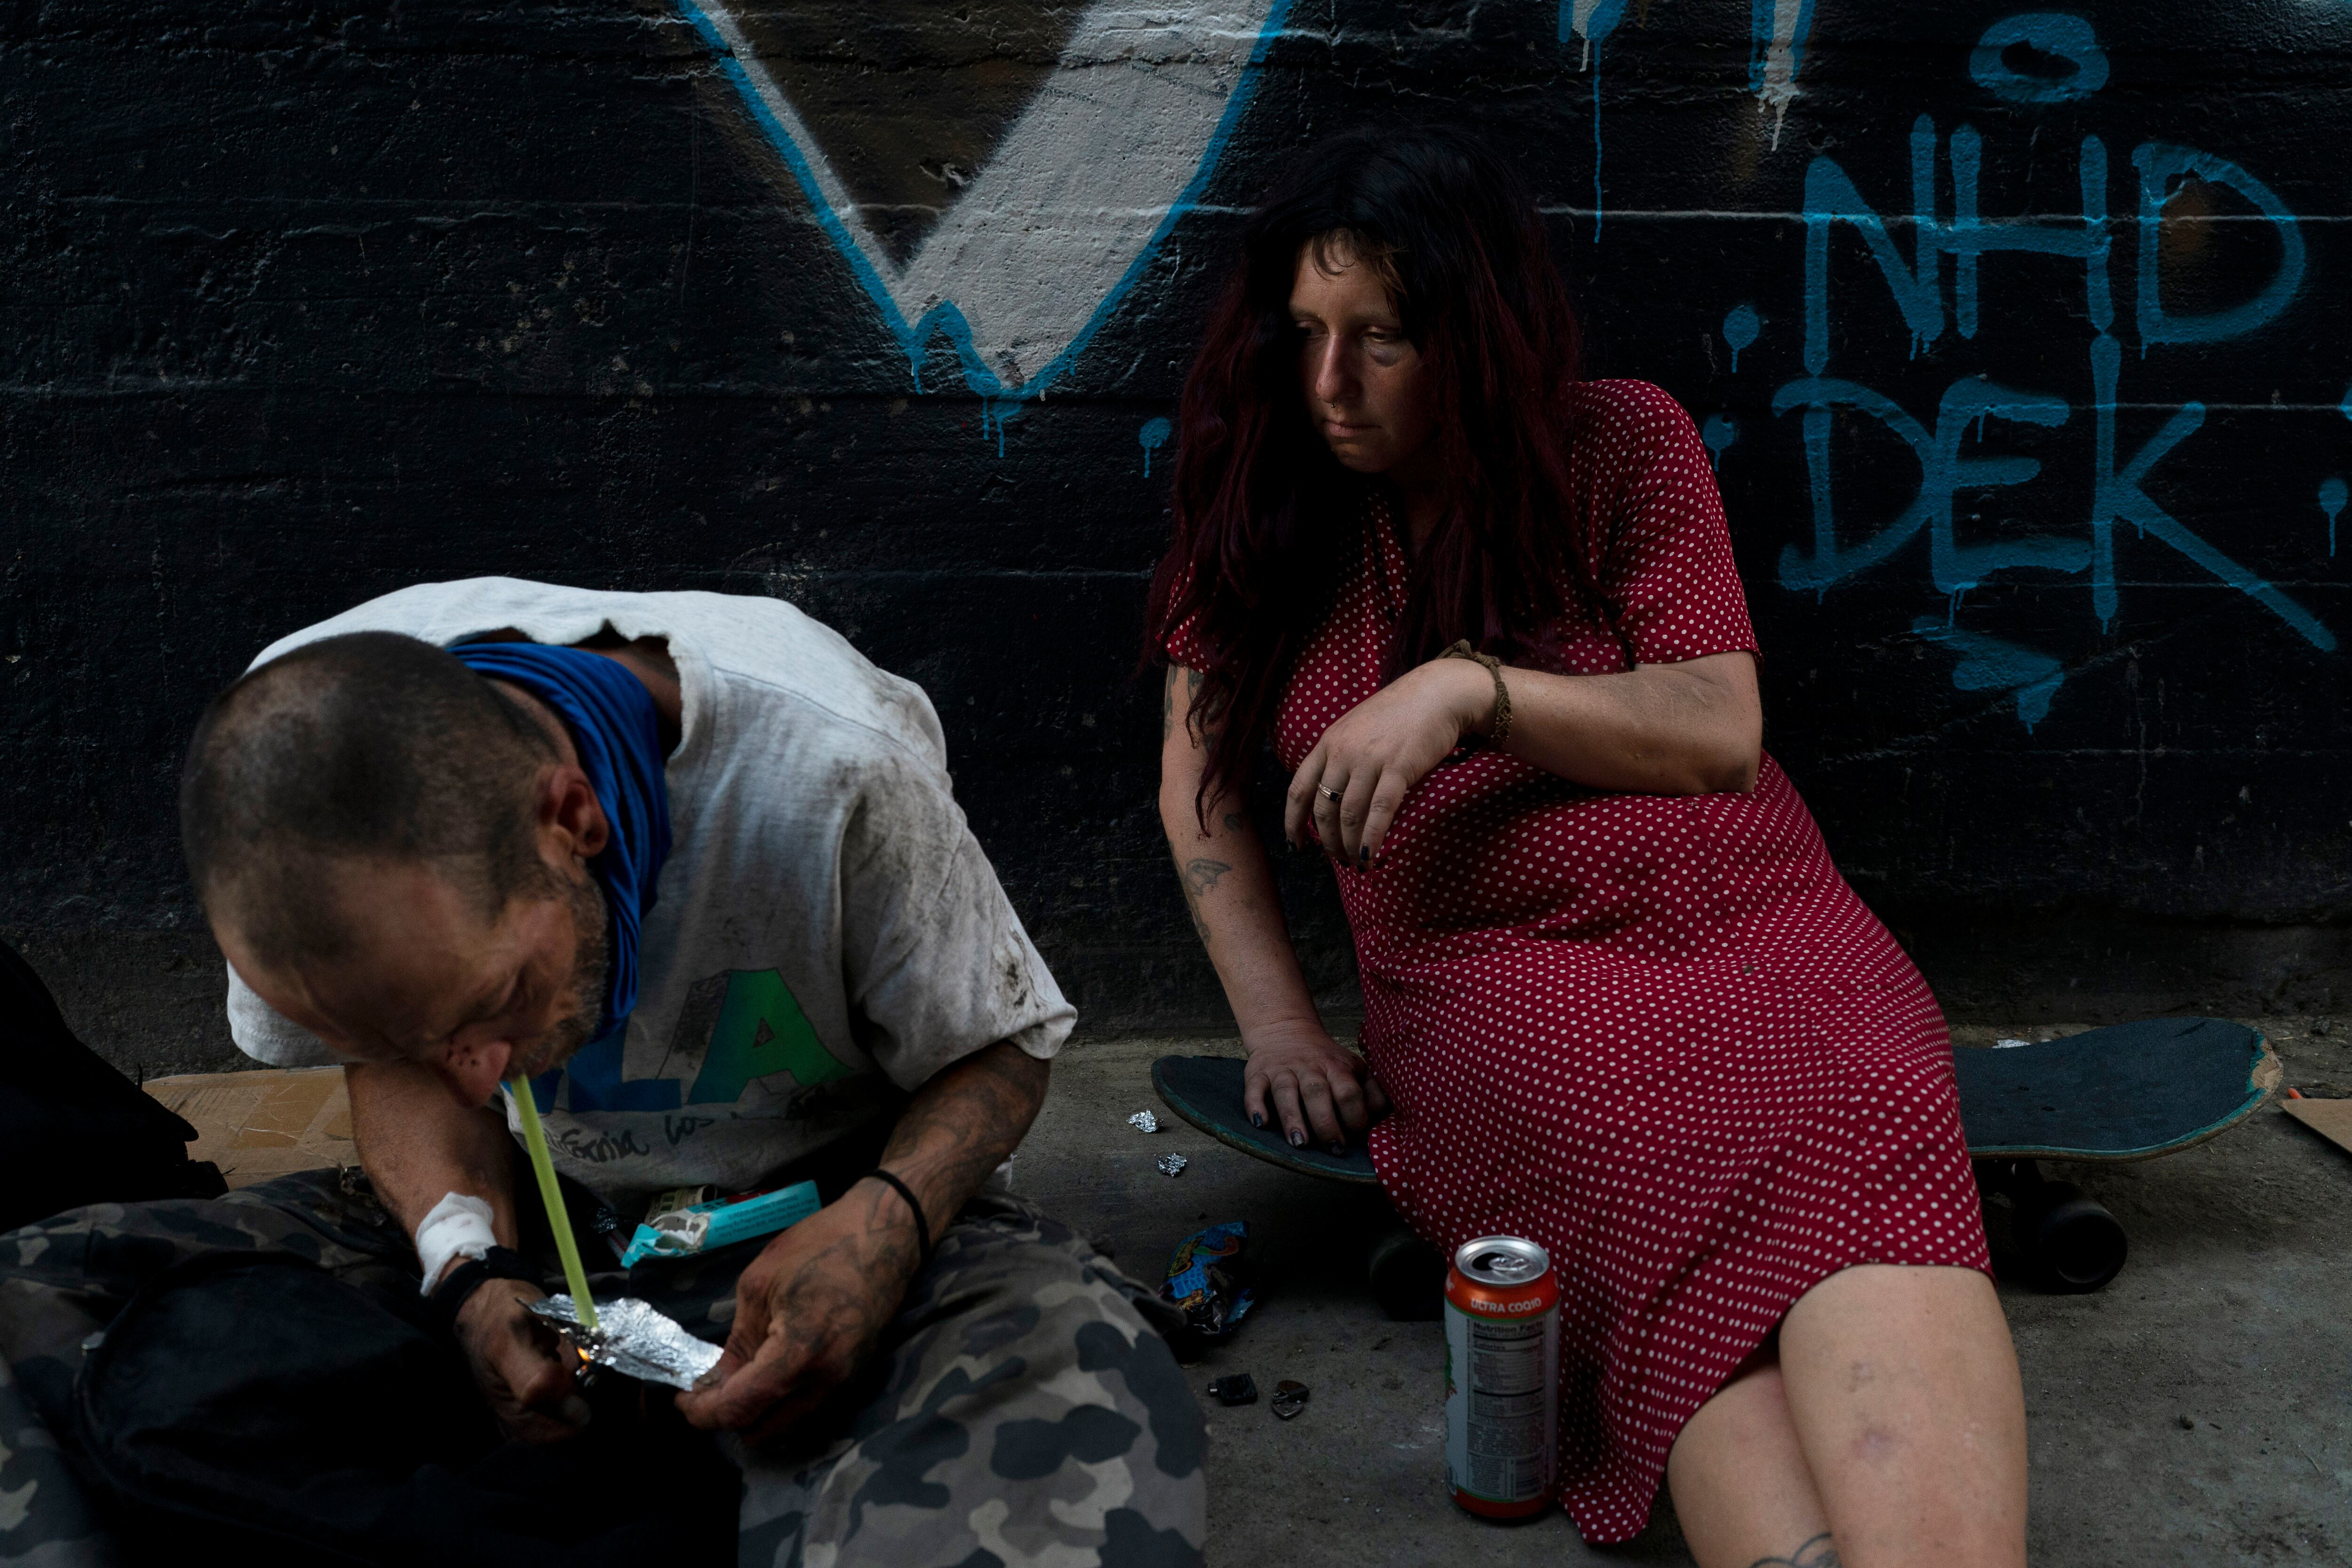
922 1226
1498 727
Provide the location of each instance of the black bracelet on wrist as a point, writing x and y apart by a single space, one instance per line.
922 1226
459 1284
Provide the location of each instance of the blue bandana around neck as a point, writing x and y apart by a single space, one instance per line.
617 732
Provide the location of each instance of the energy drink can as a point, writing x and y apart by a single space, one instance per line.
1502 1377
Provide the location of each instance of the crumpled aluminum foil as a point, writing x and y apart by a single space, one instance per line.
634 1338
1144 1121
1173 1164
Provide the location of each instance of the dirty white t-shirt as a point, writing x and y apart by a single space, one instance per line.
827 934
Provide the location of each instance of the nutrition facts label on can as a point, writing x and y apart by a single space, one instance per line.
1499 1433
1507 1360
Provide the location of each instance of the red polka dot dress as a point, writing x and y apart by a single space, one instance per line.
1658 1035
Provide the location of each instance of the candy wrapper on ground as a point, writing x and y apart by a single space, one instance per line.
1208 1280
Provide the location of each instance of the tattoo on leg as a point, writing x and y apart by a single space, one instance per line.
1820 1551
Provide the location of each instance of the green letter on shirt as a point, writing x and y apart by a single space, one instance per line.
760 1030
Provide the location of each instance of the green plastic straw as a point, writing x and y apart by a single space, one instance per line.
543 1166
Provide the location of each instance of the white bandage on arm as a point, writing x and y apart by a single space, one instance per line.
458 1226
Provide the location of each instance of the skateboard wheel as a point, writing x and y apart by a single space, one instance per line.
1408 1276
2075 1245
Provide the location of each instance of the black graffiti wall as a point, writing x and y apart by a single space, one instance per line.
2018 337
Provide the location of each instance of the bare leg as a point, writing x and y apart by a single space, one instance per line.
1739 1480
1891 1415
1904 1389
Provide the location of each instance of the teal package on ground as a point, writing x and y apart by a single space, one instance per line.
721 1223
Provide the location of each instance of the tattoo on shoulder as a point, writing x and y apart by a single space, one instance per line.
1820 1551
1236 822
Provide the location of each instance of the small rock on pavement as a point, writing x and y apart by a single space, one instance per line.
1236 1388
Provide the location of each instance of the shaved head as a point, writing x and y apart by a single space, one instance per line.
371 747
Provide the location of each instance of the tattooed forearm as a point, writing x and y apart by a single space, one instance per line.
1200 876
1168 706
959 1126
1820 1551
1197 877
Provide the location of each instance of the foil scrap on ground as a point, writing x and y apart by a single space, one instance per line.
632 1338
1173 1164
1144 1121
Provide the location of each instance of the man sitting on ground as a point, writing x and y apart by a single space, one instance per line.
692 867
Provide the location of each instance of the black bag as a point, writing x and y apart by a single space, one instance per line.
254 1403
72 1129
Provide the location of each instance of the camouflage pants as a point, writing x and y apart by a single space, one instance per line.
1022 1411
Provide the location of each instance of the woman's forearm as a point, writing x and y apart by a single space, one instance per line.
1692 728
1227 880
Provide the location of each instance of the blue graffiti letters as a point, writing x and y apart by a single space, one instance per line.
1915 283
2117 496
2040 35
2159 165
1942 473
1831 198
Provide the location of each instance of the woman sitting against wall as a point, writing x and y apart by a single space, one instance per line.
1619 998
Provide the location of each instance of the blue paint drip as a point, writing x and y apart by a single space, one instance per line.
2069 39
1741 325
1602 22
2331 502
1152 438
1989 664
1000 402
1596 145
1719 432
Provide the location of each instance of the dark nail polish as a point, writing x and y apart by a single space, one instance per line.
1297 1139
1337 1147
1255 1120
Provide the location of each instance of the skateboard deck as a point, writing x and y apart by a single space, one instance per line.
2132 1091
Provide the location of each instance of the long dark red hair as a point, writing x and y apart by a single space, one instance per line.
1267 520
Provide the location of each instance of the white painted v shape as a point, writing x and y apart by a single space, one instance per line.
1042 243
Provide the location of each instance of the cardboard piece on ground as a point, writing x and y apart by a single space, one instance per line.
2331 1119
256 1125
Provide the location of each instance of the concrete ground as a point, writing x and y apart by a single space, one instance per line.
2197 1410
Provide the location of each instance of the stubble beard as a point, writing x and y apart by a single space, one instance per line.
592 964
